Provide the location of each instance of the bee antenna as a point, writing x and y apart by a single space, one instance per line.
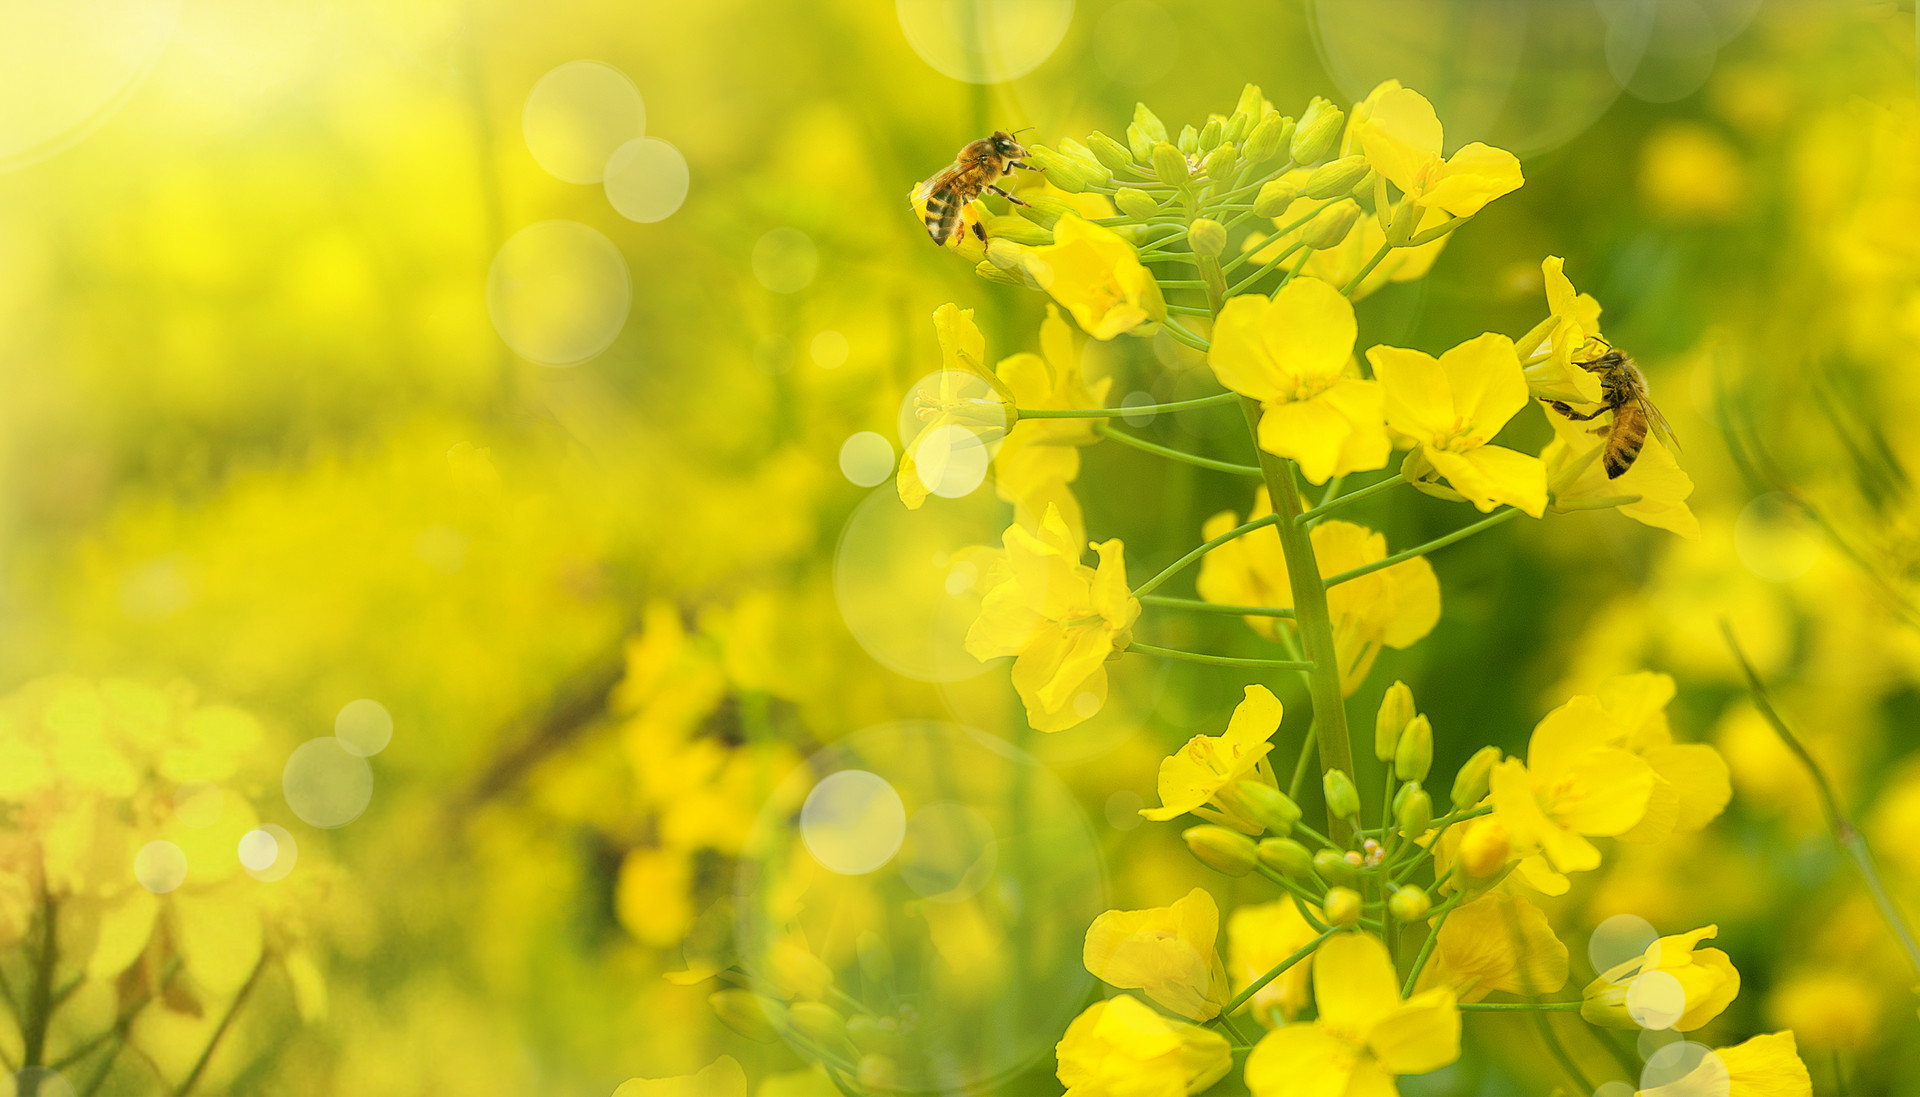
1022 129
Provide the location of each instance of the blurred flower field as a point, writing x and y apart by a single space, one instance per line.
522 571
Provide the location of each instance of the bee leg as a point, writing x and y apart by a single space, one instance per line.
1008 197
1011 164
1561 407
979 232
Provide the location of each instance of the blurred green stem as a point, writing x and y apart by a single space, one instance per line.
220 1031
1277 970
1114 413
1422 550
1171 454
1174 568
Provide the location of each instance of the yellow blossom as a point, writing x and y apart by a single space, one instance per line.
1633 716
1168 952
1200 776
1653 491
1096 276
1259 937
1338 264
1401 137
1765 1066
1703 981
1060 619
1451 408
720 1078
1292 354
1120 1048
1040 457
1498 941
1571 787
959 401
1393 607
1365 1034
1567 334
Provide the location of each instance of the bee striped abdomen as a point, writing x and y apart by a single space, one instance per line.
943 214
1629 433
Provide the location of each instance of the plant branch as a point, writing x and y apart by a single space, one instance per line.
1171 454
1422 550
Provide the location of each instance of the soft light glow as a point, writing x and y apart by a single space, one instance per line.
577 115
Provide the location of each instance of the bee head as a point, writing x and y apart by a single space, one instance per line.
1005 145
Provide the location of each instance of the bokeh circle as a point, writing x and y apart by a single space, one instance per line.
66 66
326 784
558 293
984 41
364 727
577 115
646 180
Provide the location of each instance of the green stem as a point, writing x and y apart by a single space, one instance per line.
226 1022
1105 431
1115 413
1218 660
1516 1007
1299 782
1278 970
39 1008
1552 1040
1433 938
1267 268
1347 291
1422 550
1226 1022
1173 569
1182 335
1338 501
1198 606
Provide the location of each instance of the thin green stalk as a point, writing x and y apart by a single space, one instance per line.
1845 834
1266 268
1198 606
39 1010
1299 782
1366 270
1281 231
1173 569
1433 938
1226 1022
1516 1007
1218 660
1182 335
1422 550
226 1022
1125 439
1315 835
1337 501
1115 413
1278 970
1552 1040
1189 310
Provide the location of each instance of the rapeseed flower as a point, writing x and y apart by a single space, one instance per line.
1200 776
1097 276
1653 491
958 402
1401 137
1167 952
1567 334
1120 1048
1498 941
1040 457
1451 407
1765 1066
1706 978
1571 787
1259 937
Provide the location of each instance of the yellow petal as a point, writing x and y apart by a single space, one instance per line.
1699 775
1310 329
1240 356
1353 982
721 1078
1483 375
1301 1061
1607 793
1474 176
1419 402
1402 138
1490 476
1419 1034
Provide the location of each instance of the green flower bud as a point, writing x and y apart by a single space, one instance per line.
876 1074
873 1034
1091 169
820 1023
1329 228
1341 906
1018 230
751 1015
1267 137
1428 236
1220 163
1189 140
1470 784
1268 806
1169 164
1362 191
1113 154
1211 135
1343 800
1252 105
1318 134
1332 866
1137 204
1396 708
1140 143
1406 217
1274 198
1060 170
1286 857
1415 754
1224 850
1336 178
1238 126
1149 123
1409 903
1045 211
1413 810
1006 276
1207 238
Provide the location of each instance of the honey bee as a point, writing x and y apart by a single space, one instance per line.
974 171
1624 393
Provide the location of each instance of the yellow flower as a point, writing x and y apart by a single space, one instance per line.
1572 323
1165 951
1692 784
1497 942
1765 1066
1692 987
1120 1048
1199 778
1841 1010
1652 492
720 1078
1338 264
1451 409
1393 607
1401 137
1096 276
1040 457
1259 937
1060 619
1570 787
1291 353
960 402
1365 1034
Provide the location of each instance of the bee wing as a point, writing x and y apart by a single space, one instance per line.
933 183
1661 428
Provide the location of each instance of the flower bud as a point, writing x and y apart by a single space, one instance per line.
874 1034
1251 103
1341 906
1059 169
1470 784
1017 230
1409 903
1330 226
1333 866
751 1015
1211 135
1413 810
1044 211
1137 204
1414 757
1484 847
1363 191
1335 178
820 1023
1005 276
1396 708
1091 169
1140 143
1224 850
1286 857
1343 800
876 1074
1268 806
1207 238
1169 164
1238 126
1274 198
1220 163
1318 134
1189 140
876 959
1149 123
1113 154
1267 137
1005 254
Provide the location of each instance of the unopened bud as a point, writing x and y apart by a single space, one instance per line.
1274 198
1318 134
1149 123
1044 211
1060 170
1330 226
1363 191
1470 784
993 272
1169 164
1189 140
1017 230
1238 126
1286 857
1336 178
1396 708
1409 903
1413 810
1268 139
1251 104
1343 800
1484 847
1220 163
1415 754
1268 806
751 1015
1113 154
819 1022
1211 135
1137 204
1208 238
1333 866
877 1034
1341 906
1091 169
1140 143
1224 850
